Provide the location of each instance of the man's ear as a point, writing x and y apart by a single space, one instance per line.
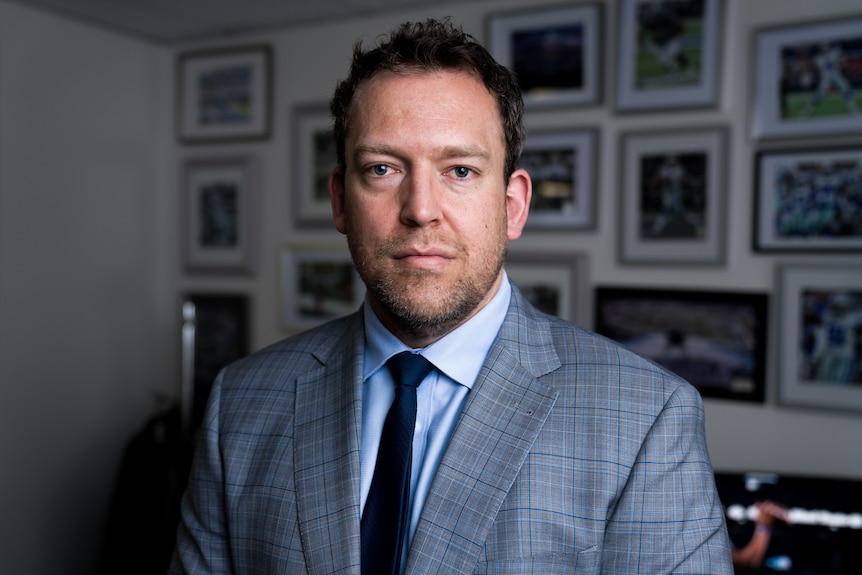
518 194
336 198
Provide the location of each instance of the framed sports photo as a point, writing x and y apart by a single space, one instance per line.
715 340
673 196
669 55
557 284
808 79
220 207
809 200
225 94
563 167
315 157
317 284
555 52
821 336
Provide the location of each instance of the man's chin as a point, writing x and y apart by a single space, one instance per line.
426 311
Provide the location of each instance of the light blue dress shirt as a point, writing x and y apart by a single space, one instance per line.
458 358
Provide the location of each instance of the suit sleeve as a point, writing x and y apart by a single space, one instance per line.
202 542
669 518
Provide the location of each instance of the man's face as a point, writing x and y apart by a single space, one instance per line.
423 201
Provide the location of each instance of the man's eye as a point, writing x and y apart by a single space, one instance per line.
462 172
380 169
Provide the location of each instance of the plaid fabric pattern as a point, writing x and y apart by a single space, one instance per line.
572 455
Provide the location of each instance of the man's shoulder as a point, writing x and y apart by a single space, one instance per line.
608 362
297 353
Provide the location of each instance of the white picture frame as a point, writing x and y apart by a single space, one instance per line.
315 157
220 205
669 54
661 223
572 72
786 76
556 283
818 305
318 284
563 166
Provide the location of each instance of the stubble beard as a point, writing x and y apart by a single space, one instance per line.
421 303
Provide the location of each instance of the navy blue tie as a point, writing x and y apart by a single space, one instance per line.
384 522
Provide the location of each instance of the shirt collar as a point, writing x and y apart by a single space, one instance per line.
459 354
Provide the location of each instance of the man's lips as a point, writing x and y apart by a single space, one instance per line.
423 258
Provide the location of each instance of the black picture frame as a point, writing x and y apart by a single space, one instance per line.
808 200
716 340
215 333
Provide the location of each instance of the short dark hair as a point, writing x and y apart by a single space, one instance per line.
433 45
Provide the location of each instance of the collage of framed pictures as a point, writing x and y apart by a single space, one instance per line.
672 186
808 200
224 95
673 192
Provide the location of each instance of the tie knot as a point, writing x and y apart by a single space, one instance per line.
409 368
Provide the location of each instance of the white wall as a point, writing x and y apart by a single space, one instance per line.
90 265
86 322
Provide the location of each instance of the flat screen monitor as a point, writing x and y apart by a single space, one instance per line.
825 534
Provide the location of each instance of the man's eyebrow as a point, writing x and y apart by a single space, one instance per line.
445 152
465 152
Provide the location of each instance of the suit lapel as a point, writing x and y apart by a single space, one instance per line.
326 457
505 413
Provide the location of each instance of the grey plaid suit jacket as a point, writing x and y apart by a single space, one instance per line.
572 455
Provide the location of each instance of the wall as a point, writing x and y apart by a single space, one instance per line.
86 335
91 269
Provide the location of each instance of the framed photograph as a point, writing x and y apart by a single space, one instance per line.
669 54
314 150
225 94
317 284
555 52
557 284
809 200
808 79
220 201
563 166
673 196
215 332
714 340
820 349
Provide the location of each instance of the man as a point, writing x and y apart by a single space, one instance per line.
752 555
538 448
830 62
